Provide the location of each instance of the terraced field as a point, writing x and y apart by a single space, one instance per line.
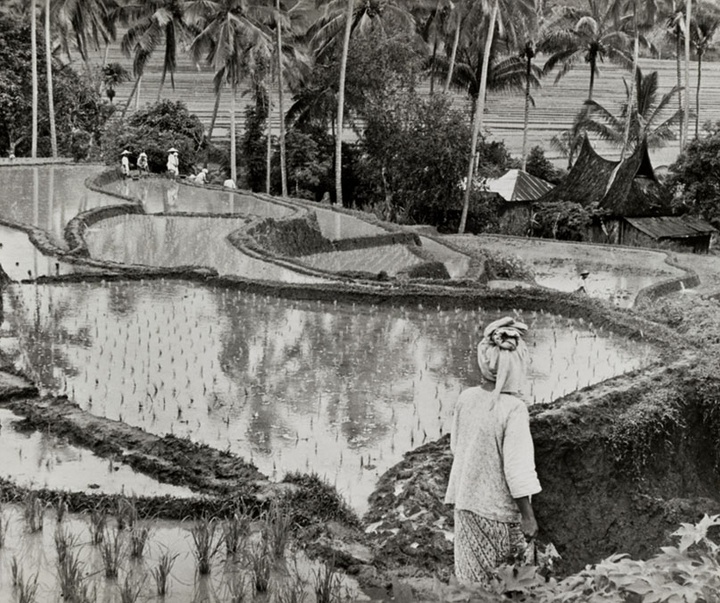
555 105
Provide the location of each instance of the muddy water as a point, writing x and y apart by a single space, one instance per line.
36 554
338 389
41 460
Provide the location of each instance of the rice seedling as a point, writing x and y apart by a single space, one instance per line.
33 512
60 508
277 526
70 575
235 531
206 543
131 588
64 541
327 584
27 590
292 591
138 539
259 559
161 573
125 512
112 548
239 590
98 523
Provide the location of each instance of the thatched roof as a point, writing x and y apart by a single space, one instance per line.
627 189
518 185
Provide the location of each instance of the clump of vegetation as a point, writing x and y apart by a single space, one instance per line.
260 560
155 129
112 549
278 527
563 220
70 574
507 267
138 539
161 573
98 524
314 500
131 588
235 530
27 589
207 543
4 525
327 584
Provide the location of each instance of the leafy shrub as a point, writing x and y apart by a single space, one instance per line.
541 167
562 220
507 267
155 129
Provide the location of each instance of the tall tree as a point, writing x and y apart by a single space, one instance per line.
86 23
645 117
675 30
150 23
234 43
705 25
505 19
686 108
592 36
33 55
344 16
49 77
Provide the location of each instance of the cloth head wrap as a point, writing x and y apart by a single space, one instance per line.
503 355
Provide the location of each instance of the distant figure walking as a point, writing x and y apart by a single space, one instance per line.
173 162
493 472
125 164
142 164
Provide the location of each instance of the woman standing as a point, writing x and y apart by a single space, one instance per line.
493 473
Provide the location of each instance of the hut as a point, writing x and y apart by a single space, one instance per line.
519 190
631 206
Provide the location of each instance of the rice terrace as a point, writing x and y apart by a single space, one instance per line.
247 253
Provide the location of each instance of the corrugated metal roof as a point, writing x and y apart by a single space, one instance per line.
672 227
517 185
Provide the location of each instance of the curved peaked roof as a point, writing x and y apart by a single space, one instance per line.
629 188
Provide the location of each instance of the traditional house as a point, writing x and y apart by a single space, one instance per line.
519 190
632 207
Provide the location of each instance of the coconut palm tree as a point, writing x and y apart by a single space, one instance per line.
645 116
702 32
114 74
344 16
433 23
592 36
502 14
87 23
150 22
233 41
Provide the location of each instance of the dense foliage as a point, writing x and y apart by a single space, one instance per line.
80 110
156 129
695 176
540 166
563 220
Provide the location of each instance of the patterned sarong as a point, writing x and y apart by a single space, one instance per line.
483 544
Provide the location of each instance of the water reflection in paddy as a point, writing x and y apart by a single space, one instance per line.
49 196
41 460
342 390
163 195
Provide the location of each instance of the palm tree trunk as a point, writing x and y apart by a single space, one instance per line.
593 65
233 150
432 67
162 84
697 95
48 61
137 94
526 122
631 94
268 153
281 109
132 93
341 102
686 111
478 116
33 58
679 85
213 117
453 57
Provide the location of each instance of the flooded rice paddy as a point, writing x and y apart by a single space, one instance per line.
42 460
334 388
35 555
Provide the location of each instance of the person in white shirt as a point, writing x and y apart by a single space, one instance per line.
142 163
125 164
201 178
493 472
229 183
173 162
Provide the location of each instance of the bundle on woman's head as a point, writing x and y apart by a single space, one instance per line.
503 355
